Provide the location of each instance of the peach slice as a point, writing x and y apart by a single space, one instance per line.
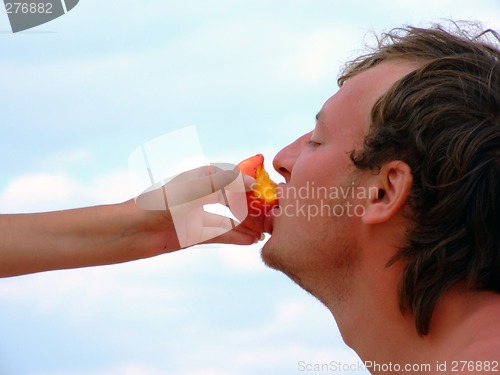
263 196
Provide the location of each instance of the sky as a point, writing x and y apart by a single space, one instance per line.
79 94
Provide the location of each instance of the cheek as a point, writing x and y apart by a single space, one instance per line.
314 169
310 165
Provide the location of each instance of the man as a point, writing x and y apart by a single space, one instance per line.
390 214
399 234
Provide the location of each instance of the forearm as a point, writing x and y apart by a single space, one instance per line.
74 238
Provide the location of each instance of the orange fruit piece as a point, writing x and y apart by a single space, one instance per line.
263 196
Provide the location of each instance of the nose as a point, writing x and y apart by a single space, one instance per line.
284 160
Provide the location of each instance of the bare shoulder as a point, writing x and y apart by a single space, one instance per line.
481 353
479 358
488 349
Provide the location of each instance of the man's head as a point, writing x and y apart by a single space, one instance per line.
321 205
430 99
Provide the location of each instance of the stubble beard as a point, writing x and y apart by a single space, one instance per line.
321 262
327 276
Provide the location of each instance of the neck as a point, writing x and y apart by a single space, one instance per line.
371 321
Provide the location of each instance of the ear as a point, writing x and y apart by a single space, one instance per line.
393 185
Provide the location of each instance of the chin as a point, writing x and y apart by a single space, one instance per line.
270 257
275 255
266 253
274 258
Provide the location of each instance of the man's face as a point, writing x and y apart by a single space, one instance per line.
315 229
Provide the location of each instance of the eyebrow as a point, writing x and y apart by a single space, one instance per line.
318 115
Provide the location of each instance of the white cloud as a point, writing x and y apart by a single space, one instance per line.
82 295
53 191
38 190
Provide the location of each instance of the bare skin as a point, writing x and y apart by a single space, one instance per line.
341 259
98 235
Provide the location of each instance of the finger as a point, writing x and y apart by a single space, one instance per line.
194 186
248 181
213 220
235 238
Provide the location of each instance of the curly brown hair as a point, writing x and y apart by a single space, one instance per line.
443 120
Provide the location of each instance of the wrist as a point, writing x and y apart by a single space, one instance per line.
148 233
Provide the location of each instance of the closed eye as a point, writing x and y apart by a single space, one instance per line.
313 144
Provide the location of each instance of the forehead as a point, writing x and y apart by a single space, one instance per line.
350 107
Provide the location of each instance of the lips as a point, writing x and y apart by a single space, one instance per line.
269 219
270 216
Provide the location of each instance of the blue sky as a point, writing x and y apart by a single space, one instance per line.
80 93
